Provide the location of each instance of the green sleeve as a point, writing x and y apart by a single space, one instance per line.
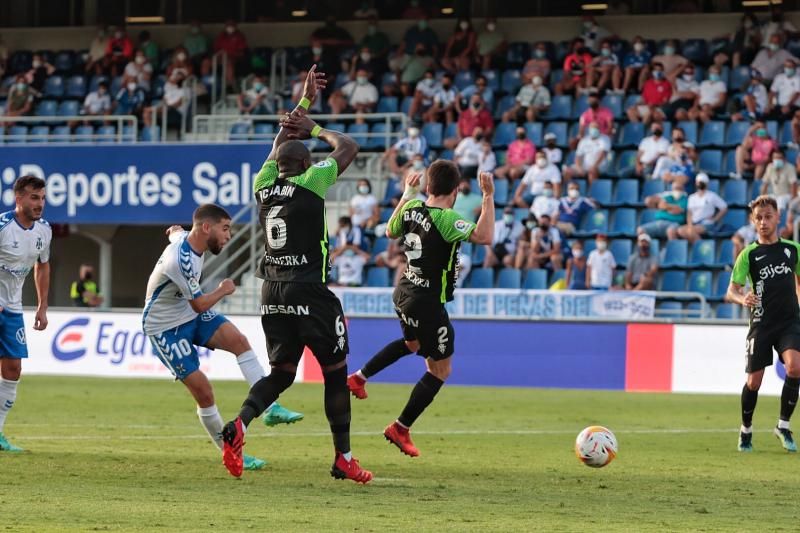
452 227
266 176
741 269
396 222
319 177
797 266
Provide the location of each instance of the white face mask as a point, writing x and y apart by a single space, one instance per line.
181 56
363 189
316 50
37 64
365 57
139 60
573 193
491 26
638 47
577 253
131 87
536 81
602 245
418 165
413 132
229 29
463 25
541 162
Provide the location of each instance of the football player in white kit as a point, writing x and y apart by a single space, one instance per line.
24 244
178 316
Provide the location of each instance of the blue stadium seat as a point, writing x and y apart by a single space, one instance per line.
492 79
652 187
116 86
786 133
675 254
481 278
39 134
68 108
20 61
61 134
593 223
556 75
695 310
755 189
621 250
648 215
626 163
64 61
739 78
581 104
509 278
735 192
536 279
511 81
433 133
501 192
721 286
711 162
341 79
600 190
624 224
263 129
386 213
451 131
631 100
713 134
729 164
388 78
379 141
151 134
695 50
504 134
387 104
521 213
614 103
380 245
732 221
728 311
560 108
534 132
518 52
17 134
83 134
47 108
556 276
464 79
338 126
724 255
240 131
478 254
378 277
703 253
673 281
689 128
504 104
626 193
405 105
359 133
54 86
700 281
106 134
631 135
736 132
559 129
95 82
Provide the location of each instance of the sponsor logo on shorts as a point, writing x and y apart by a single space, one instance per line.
208 316
285 310
20 335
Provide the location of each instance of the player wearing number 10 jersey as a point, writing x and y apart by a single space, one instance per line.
772 266
432 234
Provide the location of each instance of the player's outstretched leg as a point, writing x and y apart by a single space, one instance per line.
390 354
8 395
277 414
749 399
789 395
337 409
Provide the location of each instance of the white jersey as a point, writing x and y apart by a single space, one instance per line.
20 249
175 280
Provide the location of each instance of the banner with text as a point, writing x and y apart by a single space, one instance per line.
502 303
143 184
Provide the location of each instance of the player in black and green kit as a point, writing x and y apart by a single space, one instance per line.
772 266
432 234
297 308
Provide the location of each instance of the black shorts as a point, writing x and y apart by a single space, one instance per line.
761 341
296 315
425 320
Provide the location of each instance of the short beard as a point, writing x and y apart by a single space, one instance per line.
214 247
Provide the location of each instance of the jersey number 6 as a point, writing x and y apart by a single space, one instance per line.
276 229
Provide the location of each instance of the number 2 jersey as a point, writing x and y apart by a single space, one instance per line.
771 269
291 212
431 239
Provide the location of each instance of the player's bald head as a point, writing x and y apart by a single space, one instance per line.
292 154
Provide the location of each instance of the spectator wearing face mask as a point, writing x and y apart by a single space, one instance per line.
461 47
130 99
745 41
479 88
650 149
539 245
98 102
255 100
673 155
20 98
784 93
575 66
683 169
376 42
487 161
637 66
357 96
532 100
604 70
424 93
444 102
538 65
364 211
349 264
572 208
520 155
671 214
593 34
780 180
233 44
196 43
713 94
119 51
491 45
400 156
642 270
176 101
685 91
672 61
507 232
468 152
705 211
96 61
373 66
140 70
600 266
394 258
755 100
575 277
554 153
37 75
777 24
180 63
546 203
348 235
655 96
755 151
771 59
474 116
468 203
532 183
591 157
598 114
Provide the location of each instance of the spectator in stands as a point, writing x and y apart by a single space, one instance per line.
546 203
468 152
637 65
538 65
713 94
507 232
474 116
673 155
357 96
394 258
591 157
39 72
119 51
84 292
655 96
600 266
149 47
685 91
705 211
96 61
376 41
778 25
519 157
20 99
142 71
364 211
755 99
396 182
401 155
572 208
491 45
575 277
349 236
233 44
197 46
770 60
784 92
539 246
423 95
532 99
604 70
642 270
180 63
98 102
755 151
596 114
650 149
671 214
332 36
575 66
792 215
411 69
746 41
681 170
487 161
672 61
481 88
373 65
780 180
255 100
414 11
593 34
444 102
349 263
461 47
747 234
420 34
532 183
176 101
468 203
554 154
129 100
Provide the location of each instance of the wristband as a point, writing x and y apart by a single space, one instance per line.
305 103
316 130
409 193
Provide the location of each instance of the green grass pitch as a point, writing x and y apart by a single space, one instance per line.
130 455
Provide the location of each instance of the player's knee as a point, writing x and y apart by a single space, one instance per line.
793 371
11 369
754 380
241 343
288 368
440 369
327 369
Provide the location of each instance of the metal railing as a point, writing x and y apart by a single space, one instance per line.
218 93
277 73
126 129
704 311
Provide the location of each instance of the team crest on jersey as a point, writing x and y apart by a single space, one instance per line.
461 225
341 343
39 243
194 285
787 252
442 348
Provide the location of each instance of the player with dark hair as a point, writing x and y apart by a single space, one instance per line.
24 244
772 266
297 308
178 316
432 234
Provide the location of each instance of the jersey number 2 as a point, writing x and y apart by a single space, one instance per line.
276 229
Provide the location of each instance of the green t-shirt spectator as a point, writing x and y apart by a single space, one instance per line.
682 201
466 205
196 44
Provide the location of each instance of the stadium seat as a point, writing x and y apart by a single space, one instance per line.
724 254
727 311
509 278
675 254
378 277
593 223
721 287
648 215
481 278
386 213
621 250
47 108
17 134
68 108
786 133
61 134
711 162
614 103
84 134
501 191
560 108
626 163
695 310
673 310
387 104
504 134
388 78
536 279
381 244
378 140
600 190
106 134
736 132
263 130
729 162
739 78
511 81
700 281
673 281
631 135
20 61
151 134
732 221
239 131
626 193
54 86
338 126
75 87
464 79
755 189
624 224
534 132
651 187
695 50
521 213
703 254
504 104
492 79
405 105
689 128
95 82
478 254
64 61
556 276
581 105
713 134
39 134
432 131
518 52
359 133
734 192
559 129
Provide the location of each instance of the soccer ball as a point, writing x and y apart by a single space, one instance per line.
596 446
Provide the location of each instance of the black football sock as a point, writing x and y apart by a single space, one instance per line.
791 387
749 399
264 393
389 355
421 397
337 407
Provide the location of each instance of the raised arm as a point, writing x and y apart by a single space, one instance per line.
298 125
411 191
484 229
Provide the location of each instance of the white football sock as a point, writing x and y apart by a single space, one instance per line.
348 456
250 367
212 421
746 430
361 375
8 395
783 424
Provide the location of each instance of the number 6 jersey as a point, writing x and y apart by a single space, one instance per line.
291 212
